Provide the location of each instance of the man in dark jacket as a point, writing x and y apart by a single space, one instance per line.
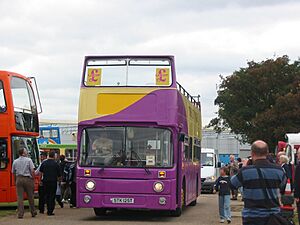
51 173
261 183
41 187
73 185
64 185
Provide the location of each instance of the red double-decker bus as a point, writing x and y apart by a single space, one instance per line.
19 127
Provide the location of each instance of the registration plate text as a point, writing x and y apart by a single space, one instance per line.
122 200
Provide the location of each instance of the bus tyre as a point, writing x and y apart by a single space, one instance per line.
100 211
177 212
194 203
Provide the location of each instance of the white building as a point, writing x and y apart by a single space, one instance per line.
226 143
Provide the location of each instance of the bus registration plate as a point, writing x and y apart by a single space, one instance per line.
122 200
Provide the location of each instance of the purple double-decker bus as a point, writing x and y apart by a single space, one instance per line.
139 136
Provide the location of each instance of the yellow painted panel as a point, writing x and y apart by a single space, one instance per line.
111 103
88 103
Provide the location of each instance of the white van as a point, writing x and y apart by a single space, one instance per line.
209 169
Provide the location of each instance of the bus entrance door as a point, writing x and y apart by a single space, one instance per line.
4 172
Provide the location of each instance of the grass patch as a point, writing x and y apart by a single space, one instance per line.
7 209
5 212
296 219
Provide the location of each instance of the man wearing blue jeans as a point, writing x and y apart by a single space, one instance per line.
223 187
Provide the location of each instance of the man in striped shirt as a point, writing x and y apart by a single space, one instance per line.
257 206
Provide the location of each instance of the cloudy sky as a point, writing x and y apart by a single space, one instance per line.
48 39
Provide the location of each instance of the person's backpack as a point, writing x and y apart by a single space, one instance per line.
277 219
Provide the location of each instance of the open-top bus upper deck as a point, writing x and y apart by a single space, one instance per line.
136 96
136 89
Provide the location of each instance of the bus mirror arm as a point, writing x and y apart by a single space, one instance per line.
181 137
38 94
219 165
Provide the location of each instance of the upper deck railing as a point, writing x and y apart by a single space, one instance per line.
189 97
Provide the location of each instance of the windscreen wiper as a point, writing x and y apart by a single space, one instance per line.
141 162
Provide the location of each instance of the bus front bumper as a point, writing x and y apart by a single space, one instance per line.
127 201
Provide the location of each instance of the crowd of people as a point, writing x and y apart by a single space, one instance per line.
261 180
57 182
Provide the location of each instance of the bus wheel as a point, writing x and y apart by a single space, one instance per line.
178 210
194 203
100 211
183 196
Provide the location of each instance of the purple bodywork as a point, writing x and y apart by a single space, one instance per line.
161 108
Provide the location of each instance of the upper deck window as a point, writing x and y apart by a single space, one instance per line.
128 72
24 105
2 98
51 133
46 133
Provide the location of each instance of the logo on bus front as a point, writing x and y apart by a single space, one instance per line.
94 76
162 76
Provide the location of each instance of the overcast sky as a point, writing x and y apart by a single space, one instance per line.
48 39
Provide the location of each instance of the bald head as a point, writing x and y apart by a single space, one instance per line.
259 149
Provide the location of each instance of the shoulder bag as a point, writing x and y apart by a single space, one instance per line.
275 219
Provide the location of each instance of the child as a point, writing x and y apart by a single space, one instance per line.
223 186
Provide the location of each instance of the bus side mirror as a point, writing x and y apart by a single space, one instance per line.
219 165
181 137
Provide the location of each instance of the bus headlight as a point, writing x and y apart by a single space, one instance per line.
90 185
158 187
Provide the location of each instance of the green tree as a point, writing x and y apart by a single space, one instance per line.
261 101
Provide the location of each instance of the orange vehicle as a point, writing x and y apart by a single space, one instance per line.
19 127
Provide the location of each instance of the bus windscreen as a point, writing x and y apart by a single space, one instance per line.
126 147
128 72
